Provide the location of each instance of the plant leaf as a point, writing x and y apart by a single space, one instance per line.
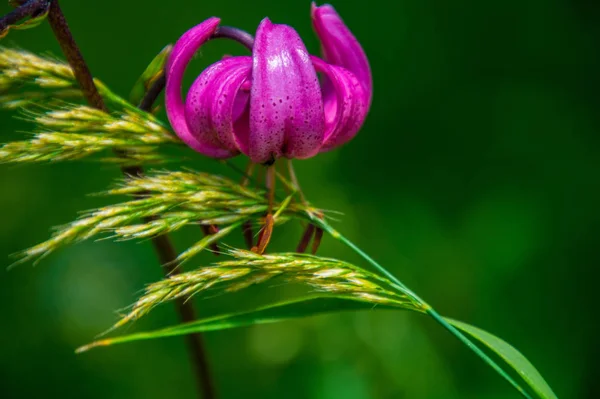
152 73
286 310
511 356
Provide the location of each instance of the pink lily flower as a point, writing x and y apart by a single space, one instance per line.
271 104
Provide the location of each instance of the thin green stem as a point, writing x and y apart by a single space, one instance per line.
405 290
295 182
270 184
454 331
335 234
338 236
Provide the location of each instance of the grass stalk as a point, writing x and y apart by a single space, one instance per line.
429 310
162 244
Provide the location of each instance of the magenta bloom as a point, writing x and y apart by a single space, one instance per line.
271 104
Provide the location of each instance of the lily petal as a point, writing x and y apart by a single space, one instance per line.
182 53
345 103
286 108
214 102
339 45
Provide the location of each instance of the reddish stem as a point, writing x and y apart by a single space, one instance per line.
26 9
162 245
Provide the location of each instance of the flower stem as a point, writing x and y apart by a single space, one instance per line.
240 36
153 92
295 182
162 244
247 226
270 184
69 47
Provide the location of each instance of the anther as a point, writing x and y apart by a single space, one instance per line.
265 235
317 240
248 235
210 230
308 233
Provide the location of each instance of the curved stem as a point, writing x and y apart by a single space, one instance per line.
27 9
159 84
240 36
153 92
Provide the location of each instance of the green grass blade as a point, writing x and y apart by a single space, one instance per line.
511 356
451 328
291 309
150 75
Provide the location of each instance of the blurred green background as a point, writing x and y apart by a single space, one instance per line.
474 179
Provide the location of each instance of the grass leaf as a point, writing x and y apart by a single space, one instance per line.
511 356
281 311
152 73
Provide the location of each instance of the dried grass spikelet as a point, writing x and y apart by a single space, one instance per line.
26 77
72 132
330 277
65 131
82 119
166 202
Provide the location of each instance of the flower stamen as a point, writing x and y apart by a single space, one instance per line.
305 240
317 240
210 230
265 234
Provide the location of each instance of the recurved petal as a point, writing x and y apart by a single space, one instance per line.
339 45
286 108
345 103
182 53
214 102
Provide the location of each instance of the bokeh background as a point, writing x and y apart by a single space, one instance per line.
474 179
